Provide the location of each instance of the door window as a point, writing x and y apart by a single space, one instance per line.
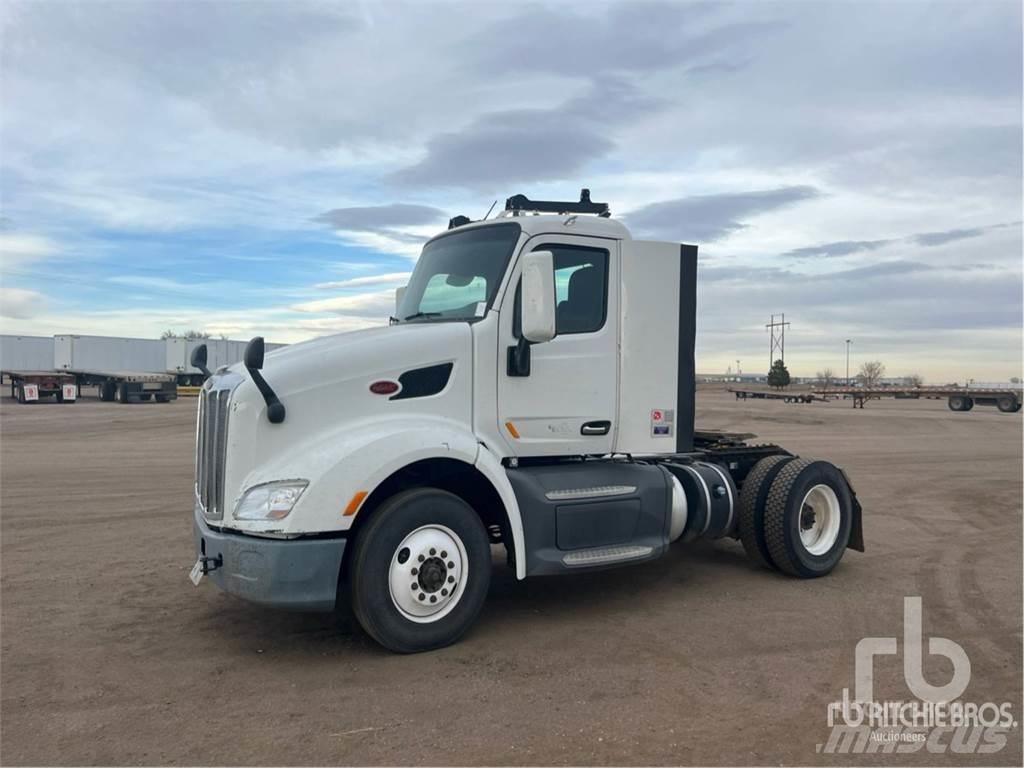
581 289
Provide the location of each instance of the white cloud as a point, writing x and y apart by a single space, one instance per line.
391 277
22 247
19 303
378 303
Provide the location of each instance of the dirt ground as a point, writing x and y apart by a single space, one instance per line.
110 656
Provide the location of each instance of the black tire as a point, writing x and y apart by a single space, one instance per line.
107 389
1008 404
375 548
783 515
751 507
163 398
969 404
957 403
121 394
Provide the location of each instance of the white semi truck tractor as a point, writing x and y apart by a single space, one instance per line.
535 390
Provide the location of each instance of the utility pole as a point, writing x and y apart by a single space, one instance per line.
848 362
738 371
778 339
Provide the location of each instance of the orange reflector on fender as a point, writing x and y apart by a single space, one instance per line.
354 502
512 429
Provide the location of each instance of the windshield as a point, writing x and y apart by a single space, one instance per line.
457 274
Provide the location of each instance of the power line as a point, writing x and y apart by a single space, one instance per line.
778 339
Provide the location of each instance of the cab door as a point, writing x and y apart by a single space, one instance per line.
566 404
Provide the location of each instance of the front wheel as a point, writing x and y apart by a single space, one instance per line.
421 570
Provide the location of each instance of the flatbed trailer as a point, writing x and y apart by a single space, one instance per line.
957 398
789 397
130 386
33 386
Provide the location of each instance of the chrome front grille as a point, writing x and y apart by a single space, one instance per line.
211 450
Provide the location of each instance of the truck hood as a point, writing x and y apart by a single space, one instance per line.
336 371
324 385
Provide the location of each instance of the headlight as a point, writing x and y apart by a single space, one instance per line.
272 501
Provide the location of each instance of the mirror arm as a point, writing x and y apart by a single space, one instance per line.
275 408
519 358
253 361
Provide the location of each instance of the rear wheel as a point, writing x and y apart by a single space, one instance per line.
121 393
421 570
957 403
751 507
808 517
1007 404
107 389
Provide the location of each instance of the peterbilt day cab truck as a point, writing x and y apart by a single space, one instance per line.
535 390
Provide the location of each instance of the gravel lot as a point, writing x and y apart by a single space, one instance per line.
110 656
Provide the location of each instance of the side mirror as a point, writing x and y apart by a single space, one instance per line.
253 363
538 307
254 354
198 359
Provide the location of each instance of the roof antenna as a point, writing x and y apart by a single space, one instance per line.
489 211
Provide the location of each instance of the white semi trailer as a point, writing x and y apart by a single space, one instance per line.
535 390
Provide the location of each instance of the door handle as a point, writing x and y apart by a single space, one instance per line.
596 428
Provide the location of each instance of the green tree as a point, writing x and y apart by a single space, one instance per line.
778 376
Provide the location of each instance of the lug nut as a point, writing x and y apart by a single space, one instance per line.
415 571
444 593
433 598
451 565
433 551
443 553
421 558
414 586
422 596
451 579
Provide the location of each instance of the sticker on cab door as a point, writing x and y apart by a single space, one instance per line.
662 422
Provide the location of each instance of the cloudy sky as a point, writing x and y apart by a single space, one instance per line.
271 168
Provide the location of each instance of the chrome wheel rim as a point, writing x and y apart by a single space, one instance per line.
428 573
820 519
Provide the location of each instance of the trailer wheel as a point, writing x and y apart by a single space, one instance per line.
752 498
107 391
1008 404
421 570
969 404
808 517
957 403
121 393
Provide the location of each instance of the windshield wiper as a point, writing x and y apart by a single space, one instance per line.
418 315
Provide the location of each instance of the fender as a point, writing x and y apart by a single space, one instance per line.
490 466
359 457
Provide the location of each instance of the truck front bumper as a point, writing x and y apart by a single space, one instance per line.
296 574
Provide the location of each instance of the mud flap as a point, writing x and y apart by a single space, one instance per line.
856 530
